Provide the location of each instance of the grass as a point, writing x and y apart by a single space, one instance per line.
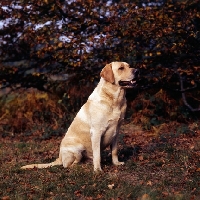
165 166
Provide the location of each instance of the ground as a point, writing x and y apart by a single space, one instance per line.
162 163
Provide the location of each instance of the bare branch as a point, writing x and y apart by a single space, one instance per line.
185 89
184 97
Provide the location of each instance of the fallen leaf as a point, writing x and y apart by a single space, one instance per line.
83 187
99 196
141 158
77 193
149 183
145 197
111 186
5 198
198 170
165 193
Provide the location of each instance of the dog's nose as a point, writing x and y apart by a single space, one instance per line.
136 73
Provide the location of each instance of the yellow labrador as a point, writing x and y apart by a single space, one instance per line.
96 125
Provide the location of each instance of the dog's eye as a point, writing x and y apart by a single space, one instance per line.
121 68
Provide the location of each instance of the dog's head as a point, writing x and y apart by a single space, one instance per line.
120 74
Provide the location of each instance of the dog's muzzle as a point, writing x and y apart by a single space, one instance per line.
132 83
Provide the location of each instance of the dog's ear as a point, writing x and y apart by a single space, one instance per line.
107 73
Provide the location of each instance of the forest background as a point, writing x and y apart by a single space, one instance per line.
59 48
52 51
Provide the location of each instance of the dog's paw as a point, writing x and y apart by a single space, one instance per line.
97 170
118 163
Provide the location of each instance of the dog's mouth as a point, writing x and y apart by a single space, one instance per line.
128 84
131 83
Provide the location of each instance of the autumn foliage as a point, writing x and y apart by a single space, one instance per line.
51 38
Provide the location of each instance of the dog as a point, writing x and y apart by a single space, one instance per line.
96 125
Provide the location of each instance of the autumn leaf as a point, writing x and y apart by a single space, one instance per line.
145 197
5 198
141 158
111 186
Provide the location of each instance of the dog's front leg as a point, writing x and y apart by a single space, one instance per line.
96 140
115 160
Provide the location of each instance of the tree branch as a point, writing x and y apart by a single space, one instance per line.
184 97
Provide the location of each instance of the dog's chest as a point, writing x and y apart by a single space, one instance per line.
116 115
112 128
118 111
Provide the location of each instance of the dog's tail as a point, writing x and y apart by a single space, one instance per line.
56 162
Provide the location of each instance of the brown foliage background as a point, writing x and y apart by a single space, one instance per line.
162 39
